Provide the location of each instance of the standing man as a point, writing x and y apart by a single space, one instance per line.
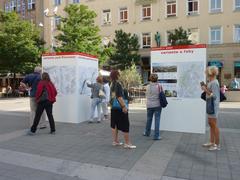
31 81
234 84
106 100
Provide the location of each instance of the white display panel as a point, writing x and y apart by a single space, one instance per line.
69 73
180 70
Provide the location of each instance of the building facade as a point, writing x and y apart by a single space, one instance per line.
212 22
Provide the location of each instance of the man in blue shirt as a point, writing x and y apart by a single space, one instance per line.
234 84
31 81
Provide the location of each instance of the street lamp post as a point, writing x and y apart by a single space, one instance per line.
51 16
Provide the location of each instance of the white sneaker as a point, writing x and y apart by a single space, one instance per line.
129 146
209 144
117 143
214 147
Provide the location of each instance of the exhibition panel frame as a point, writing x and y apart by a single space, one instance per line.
70 72
180 70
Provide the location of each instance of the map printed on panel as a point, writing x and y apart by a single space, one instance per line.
190 74
86 74
180 79
63 79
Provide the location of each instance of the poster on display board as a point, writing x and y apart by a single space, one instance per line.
70 73
180 70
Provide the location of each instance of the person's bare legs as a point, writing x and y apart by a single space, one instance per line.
212 130
126 137
115 135
215 130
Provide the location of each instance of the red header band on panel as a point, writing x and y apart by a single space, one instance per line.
179 47
70 53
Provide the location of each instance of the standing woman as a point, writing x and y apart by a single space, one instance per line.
45 97
212 90
153 107
119 117
96 99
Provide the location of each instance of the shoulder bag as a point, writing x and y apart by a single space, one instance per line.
162 97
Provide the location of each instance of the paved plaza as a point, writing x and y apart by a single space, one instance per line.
84 151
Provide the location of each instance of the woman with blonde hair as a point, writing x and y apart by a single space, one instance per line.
212 90
96 99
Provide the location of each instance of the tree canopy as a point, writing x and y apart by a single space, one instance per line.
78 33
126 49
179 37
20 44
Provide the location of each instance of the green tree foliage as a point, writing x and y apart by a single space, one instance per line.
78 33
20 44
126 50
130 77
179 37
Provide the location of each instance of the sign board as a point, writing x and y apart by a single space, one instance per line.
180 70
69 73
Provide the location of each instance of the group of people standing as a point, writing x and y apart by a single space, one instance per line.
40 85
103 95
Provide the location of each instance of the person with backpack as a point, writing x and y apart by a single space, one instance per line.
45 97
31 81
97 96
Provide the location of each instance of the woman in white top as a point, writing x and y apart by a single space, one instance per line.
105 101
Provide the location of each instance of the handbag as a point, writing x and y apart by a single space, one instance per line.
101 94
116 104
44 95
222 96
162 98
210 105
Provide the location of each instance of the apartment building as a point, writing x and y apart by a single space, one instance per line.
212 22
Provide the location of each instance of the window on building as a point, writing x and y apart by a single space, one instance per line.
237 33
237 4
237 69
12 5
107 16
192 6
216 35
215 6
194 35
31 4
18 5
123 15
146 12
57 2
76 1
57 21
7 7
171 8
146 40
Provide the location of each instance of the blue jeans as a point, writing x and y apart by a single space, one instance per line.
96 102
157 112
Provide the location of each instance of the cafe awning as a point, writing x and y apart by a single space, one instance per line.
216 63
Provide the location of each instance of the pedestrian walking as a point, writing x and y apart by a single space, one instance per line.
105 101
31 81
119 116
153 107
97 89
212 101
45 97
